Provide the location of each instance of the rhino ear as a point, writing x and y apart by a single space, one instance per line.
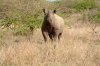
54 11
44 10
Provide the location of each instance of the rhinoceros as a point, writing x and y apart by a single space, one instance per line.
52 26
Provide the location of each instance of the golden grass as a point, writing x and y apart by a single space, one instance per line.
79 46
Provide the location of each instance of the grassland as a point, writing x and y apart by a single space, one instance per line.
79 46
20 46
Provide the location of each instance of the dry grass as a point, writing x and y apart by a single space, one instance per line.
79 46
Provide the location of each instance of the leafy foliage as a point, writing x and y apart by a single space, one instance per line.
85 4
21 18
24 16
96 17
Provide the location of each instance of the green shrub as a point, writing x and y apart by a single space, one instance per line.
21 16
1 35
33 22
21 30
27 23
5 22
96 17
22 21
83 5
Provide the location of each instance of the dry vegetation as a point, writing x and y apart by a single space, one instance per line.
79 46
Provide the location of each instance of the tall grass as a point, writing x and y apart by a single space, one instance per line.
78 46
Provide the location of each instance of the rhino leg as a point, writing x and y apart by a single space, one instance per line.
45 35
51 36
59 36
55 36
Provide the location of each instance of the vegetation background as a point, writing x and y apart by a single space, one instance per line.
22 44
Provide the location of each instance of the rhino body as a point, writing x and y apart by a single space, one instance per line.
52 26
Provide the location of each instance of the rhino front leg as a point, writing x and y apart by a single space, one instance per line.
45 35
55 36
59 36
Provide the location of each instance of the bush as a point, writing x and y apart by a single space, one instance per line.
21 30
1 35
27 23
24 16
83 5
96 17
